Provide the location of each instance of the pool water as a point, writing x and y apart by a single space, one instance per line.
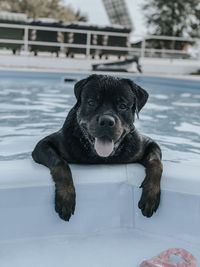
33 105
107 228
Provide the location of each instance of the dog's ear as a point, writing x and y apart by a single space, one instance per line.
80 84
78 87
140 94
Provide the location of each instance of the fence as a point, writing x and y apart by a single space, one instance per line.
143 50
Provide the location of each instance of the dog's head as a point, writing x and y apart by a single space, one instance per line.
106 110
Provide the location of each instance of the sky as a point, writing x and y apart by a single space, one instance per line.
97 14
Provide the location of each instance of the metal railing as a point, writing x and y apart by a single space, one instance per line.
142 51
167 38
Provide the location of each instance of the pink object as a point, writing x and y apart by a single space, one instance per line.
103 147
162 259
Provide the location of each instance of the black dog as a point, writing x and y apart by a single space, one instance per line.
99 129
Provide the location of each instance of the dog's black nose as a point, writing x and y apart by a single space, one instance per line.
106 121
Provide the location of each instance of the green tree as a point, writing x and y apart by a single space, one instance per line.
173 17
42 8
179 18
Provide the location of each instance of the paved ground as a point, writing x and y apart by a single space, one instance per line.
150 66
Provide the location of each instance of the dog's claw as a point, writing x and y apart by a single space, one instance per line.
65 202
149 203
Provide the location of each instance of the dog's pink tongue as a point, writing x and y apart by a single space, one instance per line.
103 146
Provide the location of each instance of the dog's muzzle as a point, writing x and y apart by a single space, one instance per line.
104 145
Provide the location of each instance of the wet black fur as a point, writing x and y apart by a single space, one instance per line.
71 144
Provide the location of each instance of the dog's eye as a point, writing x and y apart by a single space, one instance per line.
122 106
91 103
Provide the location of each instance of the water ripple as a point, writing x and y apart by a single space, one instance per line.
35 105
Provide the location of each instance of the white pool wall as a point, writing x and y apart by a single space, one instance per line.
107 199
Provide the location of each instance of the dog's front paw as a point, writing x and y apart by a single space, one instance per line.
149 200
65 201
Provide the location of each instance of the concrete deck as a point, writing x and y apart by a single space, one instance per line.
150 66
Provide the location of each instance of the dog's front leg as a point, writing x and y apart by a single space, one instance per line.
65 191
150 198
46 154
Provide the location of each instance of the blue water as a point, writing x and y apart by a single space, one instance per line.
33 105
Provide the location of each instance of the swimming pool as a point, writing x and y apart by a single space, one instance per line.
33 105
107 228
